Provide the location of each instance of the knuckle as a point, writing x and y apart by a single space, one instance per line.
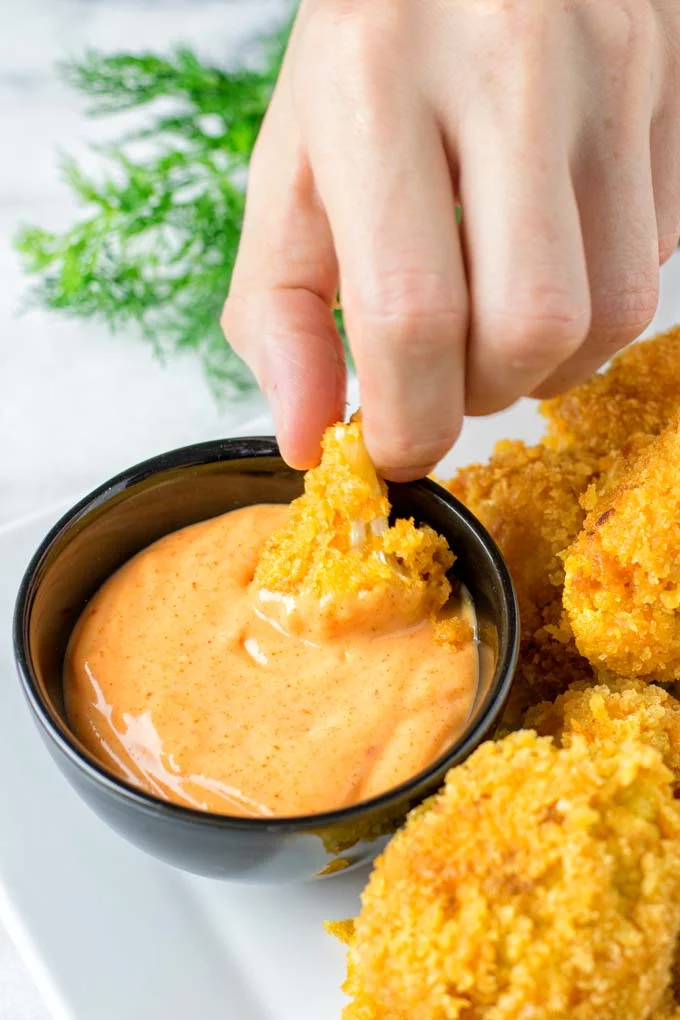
352 28
413 294
623 28
625 308
541 331
414 309
357 42
354 49
419 336
529 23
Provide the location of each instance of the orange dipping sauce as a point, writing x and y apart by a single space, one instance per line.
179 682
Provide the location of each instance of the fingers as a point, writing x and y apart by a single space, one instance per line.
278 315
300 367
568 209
382 174
612 170
525 259
620 236
665 160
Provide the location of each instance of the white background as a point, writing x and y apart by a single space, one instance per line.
77 405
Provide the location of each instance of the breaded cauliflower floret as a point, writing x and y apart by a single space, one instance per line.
639 393
668 1011
606 716
622 574
337 544
612 712
540 882
528 499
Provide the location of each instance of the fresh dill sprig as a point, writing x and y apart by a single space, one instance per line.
160 237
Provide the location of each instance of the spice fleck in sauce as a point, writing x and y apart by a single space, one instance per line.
179 680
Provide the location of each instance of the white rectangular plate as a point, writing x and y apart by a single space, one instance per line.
109 933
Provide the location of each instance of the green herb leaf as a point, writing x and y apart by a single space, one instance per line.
157 244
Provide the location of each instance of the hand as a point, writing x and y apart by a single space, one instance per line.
556 126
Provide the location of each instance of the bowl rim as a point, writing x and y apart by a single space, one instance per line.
242 448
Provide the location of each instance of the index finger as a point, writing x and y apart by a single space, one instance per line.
384 179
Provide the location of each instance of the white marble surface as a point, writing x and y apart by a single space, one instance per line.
76 404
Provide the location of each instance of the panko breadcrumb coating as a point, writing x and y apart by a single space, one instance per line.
613 468
612 712
528 499
639 393
540 883
606 716
343 931
337 543
669 1010
622 574
543 881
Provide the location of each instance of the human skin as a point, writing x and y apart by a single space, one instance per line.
555 125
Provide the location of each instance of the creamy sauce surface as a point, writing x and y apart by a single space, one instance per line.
179 682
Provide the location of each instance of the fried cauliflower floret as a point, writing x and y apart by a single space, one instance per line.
606 716
669 1010
343 931
639 393
342 511
622 574
612 712
540 882
612 469
337 548
528 499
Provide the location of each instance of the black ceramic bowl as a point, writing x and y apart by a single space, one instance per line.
180 488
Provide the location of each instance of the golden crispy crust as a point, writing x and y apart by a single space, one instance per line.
336 543
640 392
528 499
534 500
668 1010
341 930
612 712
531 885
606 716
622 574
541 882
